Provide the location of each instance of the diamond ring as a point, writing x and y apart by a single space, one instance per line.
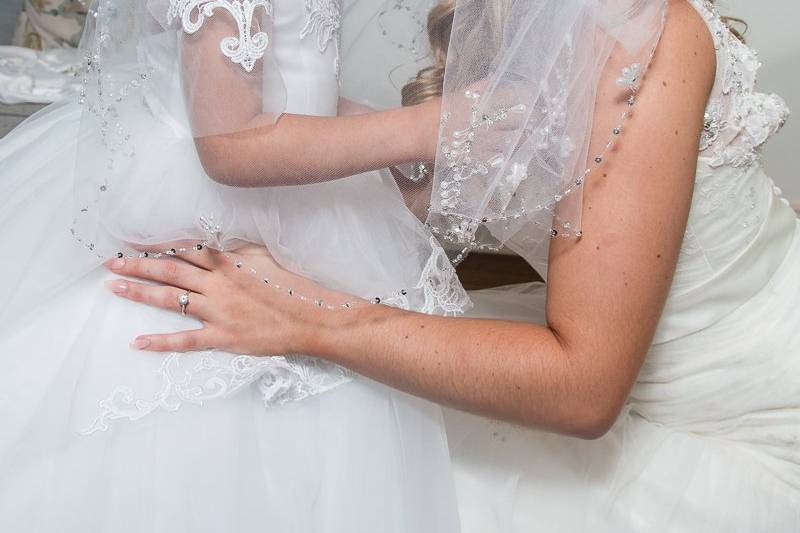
183 301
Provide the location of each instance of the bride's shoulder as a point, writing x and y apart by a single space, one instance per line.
686 52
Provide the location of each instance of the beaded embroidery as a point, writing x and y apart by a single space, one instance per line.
738 120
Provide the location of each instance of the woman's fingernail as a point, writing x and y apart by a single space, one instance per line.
116 264
117 286
140 344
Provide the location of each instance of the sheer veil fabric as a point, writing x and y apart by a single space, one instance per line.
518 109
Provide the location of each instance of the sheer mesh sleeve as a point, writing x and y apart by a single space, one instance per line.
229 76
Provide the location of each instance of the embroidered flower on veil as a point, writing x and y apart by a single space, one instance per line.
629 77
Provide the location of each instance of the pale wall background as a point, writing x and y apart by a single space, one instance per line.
775 33
9 11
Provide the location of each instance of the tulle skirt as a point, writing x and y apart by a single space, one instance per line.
97 437
710 440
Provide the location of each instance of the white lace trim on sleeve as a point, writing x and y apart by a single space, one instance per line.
244 50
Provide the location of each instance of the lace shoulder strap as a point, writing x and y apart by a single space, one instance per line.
246 48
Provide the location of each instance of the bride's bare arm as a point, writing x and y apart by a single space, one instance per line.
605 292
297 149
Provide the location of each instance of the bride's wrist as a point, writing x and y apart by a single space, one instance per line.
340 335
326 333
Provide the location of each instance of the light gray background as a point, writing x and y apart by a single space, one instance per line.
9 11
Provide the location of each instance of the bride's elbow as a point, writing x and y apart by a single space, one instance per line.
596 423
582 419
594 417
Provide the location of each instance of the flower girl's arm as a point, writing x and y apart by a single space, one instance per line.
303 149
221 97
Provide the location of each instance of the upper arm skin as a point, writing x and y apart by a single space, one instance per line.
607 290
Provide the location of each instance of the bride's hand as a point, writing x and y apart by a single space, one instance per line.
240 311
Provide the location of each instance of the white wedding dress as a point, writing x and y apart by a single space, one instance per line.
97 437
710 439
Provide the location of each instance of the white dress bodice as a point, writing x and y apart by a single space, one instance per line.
736 208
728 333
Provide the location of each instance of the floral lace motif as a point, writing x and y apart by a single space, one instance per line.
199 377
324 19
440 284
738 119
244 50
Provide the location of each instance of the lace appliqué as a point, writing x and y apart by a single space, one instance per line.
196 378
712 125
244 50
324 19
738 120
439 285
756 116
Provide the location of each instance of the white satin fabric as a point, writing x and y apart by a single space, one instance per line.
710 439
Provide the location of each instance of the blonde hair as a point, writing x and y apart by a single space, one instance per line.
429 82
